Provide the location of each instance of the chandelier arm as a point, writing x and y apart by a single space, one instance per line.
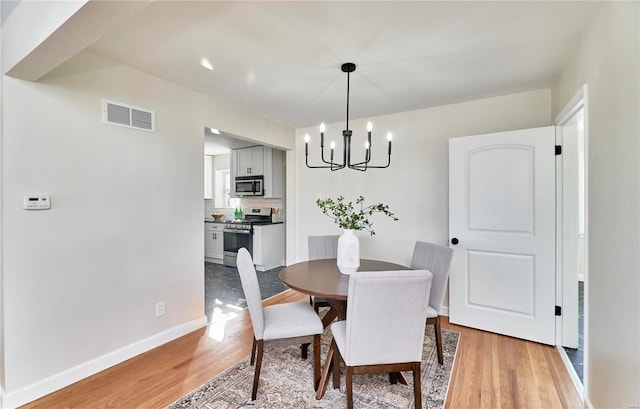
334 167
366 164
367 158
322 156
360 167
331 165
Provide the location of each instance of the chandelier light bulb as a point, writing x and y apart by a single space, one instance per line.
322 127
389 136
306 138
369 126
366 145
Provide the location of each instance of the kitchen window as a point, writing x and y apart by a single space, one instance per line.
223 190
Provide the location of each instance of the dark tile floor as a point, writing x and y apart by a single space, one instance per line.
576 356
223 289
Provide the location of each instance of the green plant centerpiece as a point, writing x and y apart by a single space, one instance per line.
353 217
350 217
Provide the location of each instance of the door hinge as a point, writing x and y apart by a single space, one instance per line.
558 310
558 149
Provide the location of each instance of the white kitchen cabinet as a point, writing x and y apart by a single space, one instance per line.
213 242
268 246
270 166
250 161
274 173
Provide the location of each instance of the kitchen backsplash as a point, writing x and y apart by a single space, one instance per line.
210 208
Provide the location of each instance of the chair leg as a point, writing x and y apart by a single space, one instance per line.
253 352
439 340
336 369
316 362
304 351
349 375
256 375
417 388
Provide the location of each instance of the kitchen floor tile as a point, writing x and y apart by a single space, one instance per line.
223 289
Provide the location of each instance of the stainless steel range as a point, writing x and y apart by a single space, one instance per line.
239 233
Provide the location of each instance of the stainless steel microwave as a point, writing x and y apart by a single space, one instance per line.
249 185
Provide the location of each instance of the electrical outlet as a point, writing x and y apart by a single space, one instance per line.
160 309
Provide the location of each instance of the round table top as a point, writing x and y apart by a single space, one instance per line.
322 278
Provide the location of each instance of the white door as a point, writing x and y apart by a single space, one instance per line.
502 217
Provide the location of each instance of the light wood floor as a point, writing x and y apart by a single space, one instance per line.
491 371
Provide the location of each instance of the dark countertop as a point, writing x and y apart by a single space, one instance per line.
223 222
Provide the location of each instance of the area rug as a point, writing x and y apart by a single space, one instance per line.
286 382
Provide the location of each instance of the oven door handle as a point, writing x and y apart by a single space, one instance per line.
238 231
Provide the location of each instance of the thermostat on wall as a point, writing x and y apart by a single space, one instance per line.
36 202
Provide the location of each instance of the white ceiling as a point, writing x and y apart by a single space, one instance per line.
282 59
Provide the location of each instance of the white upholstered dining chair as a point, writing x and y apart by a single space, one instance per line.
280 324
437 259
381 336
321 247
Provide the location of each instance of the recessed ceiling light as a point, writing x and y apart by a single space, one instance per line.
215 131
206 64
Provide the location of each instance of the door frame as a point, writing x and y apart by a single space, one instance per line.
578 101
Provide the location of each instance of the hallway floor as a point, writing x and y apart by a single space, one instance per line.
576 356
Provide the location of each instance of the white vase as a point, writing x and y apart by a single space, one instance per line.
348 252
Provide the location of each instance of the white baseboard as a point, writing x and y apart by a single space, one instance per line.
577 383
587 403
92 367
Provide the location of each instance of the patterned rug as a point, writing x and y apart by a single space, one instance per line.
286 381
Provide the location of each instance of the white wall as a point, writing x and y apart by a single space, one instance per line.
607 59
416 185
125 229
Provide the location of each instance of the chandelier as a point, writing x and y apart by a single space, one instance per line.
346 142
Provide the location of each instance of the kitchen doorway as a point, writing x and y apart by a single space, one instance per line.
223 295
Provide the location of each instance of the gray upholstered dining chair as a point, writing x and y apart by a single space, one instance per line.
381 336
437 259
321 247
279 324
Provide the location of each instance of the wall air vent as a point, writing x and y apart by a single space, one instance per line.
116 113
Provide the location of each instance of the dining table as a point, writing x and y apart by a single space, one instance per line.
322 278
